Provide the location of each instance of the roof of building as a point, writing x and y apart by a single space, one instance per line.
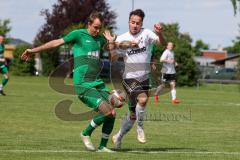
220 61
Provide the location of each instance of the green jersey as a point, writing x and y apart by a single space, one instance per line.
86 51
2 54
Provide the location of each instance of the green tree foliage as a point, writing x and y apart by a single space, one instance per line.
66 14
19 67
4 27
235 48
187 68
236 4
199 45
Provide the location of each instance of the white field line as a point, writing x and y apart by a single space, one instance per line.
136 151
205 104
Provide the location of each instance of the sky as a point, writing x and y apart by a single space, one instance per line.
209 20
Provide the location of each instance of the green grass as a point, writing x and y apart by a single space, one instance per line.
204 126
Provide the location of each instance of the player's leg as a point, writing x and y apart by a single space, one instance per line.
98 99
93 98
107 128
173 89
130 119
142 99
160 88
5 79
140 113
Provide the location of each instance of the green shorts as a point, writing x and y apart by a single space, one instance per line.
93 96
4 70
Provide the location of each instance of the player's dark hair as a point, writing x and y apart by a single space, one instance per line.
137 12
93 16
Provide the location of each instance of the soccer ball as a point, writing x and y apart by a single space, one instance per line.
117 98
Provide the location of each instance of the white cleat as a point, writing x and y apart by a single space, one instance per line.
141 136
105 149
87 142
116 141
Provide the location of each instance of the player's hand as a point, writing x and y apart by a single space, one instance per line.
107 34
171 61
158 28
26 54
154 67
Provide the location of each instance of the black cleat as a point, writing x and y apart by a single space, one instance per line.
2 93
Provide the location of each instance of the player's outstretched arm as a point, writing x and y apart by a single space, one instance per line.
51 44
158 31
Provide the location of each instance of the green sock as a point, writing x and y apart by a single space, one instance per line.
4 81
106 131
96 121
103 143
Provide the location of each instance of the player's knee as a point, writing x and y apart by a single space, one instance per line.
132 116
173 84
142 99
6 76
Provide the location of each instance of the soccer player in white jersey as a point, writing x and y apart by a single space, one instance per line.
168 73
136 72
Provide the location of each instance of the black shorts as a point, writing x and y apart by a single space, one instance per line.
133 88
168 77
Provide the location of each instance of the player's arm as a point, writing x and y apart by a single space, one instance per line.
164 59
153 57
2 59
51 44
158 31
111 44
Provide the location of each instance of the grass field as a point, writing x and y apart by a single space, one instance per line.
206 125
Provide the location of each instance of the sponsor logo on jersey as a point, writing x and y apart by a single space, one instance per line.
94 54
136 51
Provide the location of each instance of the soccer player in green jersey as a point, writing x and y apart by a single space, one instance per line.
3 67
91 90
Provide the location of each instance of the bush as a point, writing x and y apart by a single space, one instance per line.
19 67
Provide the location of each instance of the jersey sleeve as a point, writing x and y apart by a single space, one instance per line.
164 55
71 37
152 37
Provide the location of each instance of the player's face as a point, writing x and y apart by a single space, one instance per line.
135 24
95 27
170 46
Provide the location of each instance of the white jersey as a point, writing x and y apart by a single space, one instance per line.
168 68
137 60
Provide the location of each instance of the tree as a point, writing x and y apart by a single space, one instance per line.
20 67
187 68
66 13
236 4
4 27
199 45
236 43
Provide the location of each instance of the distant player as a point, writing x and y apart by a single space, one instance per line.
91 90
3 67
136 72
168 73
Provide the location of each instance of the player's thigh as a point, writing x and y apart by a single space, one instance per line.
93 97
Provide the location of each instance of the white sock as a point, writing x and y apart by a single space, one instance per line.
1 87
127 124
140 112
174 94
